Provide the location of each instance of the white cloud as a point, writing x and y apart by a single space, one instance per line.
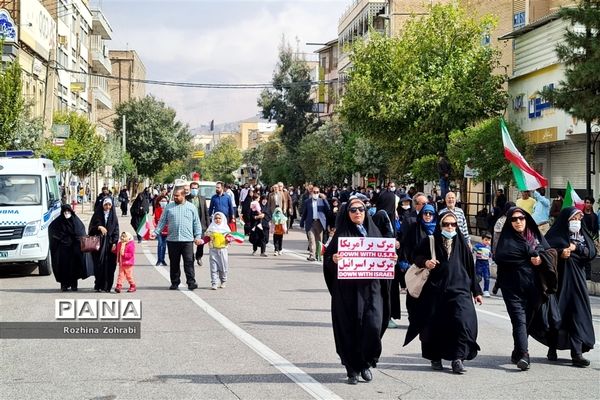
236 51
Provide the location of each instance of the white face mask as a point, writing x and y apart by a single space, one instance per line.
163 204
574 226
67 215
315 196
405 206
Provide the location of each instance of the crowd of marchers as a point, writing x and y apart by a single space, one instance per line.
542 251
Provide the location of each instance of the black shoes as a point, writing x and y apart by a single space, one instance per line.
366 375
552 356
64 288
353 380
514 357
173 287
579 361
192 286
436 365
457 367
523 363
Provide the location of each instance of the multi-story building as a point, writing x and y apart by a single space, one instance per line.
101 67
32 39
328 90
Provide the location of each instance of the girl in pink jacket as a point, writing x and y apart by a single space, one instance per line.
125 259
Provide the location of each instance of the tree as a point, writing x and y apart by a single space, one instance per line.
121 162
222 161
154 137
579 93
321 150
289 103
12 103
481 147
410 92
84 151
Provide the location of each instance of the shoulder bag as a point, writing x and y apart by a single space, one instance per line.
89 243
416 277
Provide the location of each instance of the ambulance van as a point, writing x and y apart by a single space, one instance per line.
29 202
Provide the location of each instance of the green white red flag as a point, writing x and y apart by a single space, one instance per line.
526 177
572 199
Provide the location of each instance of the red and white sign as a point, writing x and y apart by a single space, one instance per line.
58 142
366 258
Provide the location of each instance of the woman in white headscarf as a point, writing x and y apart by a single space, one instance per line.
104 223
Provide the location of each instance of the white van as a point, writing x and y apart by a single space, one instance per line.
29 202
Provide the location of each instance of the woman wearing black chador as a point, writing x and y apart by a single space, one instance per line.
575 248
104 223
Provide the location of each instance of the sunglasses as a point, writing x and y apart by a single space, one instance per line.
357 209
447 224
515 219
431 214
315 192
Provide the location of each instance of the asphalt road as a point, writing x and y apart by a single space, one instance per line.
266 336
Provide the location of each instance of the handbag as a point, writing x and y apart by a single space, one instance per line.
416 277
89 243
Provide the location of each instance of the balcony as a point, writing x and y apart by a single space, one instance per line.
100 25
100 92
100 61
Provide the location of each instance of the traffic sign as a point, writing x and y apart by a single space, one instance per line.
198 154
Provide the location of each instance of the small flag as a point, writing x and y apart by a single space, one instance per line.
526 177
145 227
236 237
572 199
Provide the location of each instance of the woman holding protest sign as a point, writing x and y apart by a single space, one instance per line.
443 315
357 305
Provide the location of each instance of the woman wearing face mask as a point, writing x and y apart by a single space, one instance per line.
444 315
418 232
68 262
357 305
526 275
575 248
162 238
104 223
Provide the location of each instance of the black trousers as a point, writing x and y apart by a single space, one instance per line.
521 305
177 251
277 242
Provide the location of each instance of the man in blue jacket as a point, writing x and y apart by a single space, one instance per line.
314 220
221 202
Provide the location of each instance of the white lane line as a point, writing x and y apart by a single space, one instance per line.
301 378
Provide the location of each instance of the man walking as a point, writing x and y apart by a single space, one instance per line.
388 202
460 215
221 202
200 203
184 230
541 210
314 220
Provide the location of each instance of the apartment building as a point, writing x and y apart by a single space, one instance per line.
30 37
101 67
328 90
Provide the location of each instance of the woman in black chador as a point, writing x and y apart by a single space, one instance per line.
526 275
68 262
357 305
444 315
104 223
575 248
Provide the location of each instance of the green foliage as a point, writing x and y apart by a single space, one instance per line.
83 152
154 138
121 162
323 151
222 161
411 92
275 163
481 146
370 158
424 169
289 103
171 171
12 105
579 94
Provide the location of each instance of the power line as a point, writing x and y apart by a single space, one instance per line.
197 85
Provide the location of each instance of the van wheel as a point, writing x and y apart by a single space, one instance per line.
45 266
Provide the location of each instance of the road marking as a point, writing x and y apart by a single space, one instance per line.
301 378
493 314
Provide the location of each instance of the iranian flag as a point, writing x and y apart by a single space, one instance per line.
145 227
236 237
572 199
526 177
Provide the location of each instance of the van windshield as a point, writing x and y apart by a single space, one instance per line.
20 190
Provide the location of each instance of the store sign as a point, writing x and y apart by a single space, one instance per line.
38 29
8 28
537 104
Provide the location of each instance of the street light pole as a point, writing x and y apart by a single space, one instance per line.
124 133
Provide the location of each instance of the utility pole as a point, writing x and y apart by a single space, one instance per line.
124 134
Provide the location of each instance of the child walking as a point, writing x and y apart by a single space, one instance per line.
483 253
279 221
125 250
216 236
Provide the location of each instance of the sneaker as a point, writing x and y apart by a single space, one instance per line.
486 294
192 286
524 362
458 367
131 289
223 285
263 254
275 253
436 365
213 286
199 262
392 324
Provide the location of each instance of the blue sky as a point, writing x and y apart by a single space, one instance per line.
208 41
